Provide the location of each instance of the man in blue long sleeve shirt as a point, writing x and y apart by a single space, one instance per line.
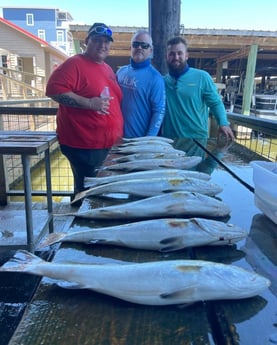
143 103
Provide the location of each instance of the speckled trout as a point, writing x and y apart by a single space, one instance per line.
164 235
165 205
153 186
157 283
159 163
96 181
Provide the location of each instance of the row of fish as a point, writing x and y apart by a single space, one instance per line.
165 192
147 154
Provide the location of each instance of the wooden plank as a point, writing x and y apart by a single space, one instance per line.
84 317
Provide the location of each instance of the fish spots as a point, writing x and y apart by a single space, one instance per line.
175 224
188 268
176 182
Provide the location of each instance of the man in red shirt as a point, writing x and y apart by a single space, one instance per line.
88 125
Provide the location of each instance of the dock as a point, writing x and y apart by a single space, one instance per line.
45 313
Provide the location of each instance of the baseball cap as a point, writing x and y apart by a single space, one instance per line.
100 29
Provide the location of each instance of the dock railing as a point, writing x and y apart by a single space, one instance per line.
257 135
39 119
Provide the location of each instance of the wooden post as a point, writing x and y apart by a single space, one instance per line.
3 182
249 80
219 69
164 23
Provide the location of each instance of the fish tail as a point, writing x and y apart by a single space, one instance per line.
78 197
65 214
21 262
52 239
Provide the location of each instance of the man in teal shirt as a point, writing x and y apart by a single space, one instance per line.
190 95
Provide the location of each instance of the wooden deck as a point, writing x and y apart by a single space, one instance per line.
57 316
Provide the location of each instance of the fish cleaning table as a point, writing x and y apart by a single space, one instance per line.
27 144
80 317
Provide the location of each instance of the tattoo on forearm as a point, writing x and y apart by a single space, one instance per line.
66 100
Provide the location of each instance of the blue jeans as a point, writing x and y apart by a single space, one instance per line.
83 162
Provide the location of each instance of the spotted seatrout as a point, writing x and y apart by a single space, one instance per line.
164 235
150 283
152 186
171 204
96 181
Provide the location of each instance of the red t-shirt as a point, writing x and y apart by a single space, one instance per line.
83 128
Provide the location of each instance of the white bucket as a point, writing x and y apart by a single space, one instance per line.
265 182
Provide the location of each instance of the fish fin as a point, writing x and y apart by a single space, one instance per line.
168 190
171 244
121 160
52 239
79 196
175 207
20 262
184 305
184 294
70 285
98 241
74 214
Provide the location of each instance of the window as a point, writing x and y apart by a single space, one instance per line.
41 34
30 19
62 16
60 36
20 64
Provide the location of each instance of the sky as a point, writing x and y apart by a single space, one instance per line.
197 14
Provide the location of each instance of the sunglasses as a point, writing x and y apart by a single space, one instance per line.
101 30
143 45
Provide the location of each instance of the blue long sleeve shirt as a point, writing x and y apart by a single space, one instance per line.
143 102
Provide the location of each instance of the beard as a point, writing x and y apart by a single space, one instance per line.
176 69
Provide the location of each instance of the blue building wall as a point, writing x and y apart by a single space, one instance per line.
44 19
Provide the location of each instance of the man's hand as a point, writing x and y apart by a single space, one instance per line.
226 131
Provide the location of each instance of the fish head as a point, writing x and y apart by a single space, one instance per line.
205 205
223 233
232 282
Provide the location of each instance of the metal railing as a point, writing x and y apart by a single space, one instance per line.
257 135
41 119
